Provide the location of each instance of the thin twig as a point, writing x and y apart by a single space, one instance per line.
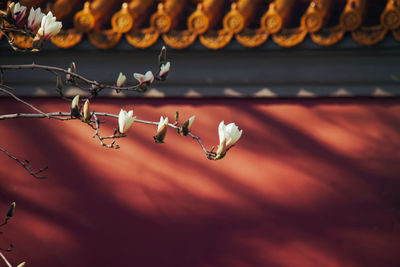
27 165
96 121
97 86
9 249
22 101
95 124
210 154
5 260
52 115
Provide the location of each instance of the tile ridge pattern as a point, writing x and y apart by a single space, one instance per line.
215 23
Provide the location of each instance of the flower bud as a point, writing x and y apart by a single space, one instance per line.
185 128
11 211
228 136
121 79
161 130
86 110
125 120
162 57
17 12
221 151
144 80
72 67
22 264
164 71
75 107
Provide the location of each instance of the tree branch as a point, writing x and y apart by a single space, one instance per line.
20 100
5 260
95 85
27 165
95 124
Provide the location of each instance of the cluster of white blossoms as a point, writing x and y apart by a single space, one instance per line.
145 80
45 26
228 134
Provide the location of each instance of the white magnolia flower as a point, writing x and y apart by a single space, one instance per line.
121 79
34 19
164 69
125 120
148 77
228 136
49 26
161 130
17 11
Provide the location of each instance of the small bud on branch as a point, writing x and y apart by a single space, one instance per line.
161 130
11 211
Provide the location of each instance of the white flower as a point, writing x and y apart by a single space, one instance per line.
49 26
34 19
121 79
161 130
164 70
228 136
125 120
148 77
17 12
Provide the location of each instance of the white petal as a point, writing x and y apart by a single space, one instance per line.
233 134
191 120
121 79
75 101
138 77
149 77
221 131
121 121
129 121
160 123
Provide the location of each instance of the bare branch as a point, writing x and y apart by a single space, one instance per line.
210 154
20 100
95 124
5 260
94 84
27 165
53 115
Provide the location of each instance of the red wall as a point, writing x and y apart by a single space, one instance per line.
310 183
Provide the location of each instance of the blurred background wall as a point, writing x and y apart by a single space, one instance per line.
313 181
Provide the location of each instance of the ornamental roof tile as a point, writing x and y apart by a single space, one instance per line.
216 23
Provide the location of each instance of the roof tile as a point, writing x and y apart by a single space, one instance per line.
215 23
